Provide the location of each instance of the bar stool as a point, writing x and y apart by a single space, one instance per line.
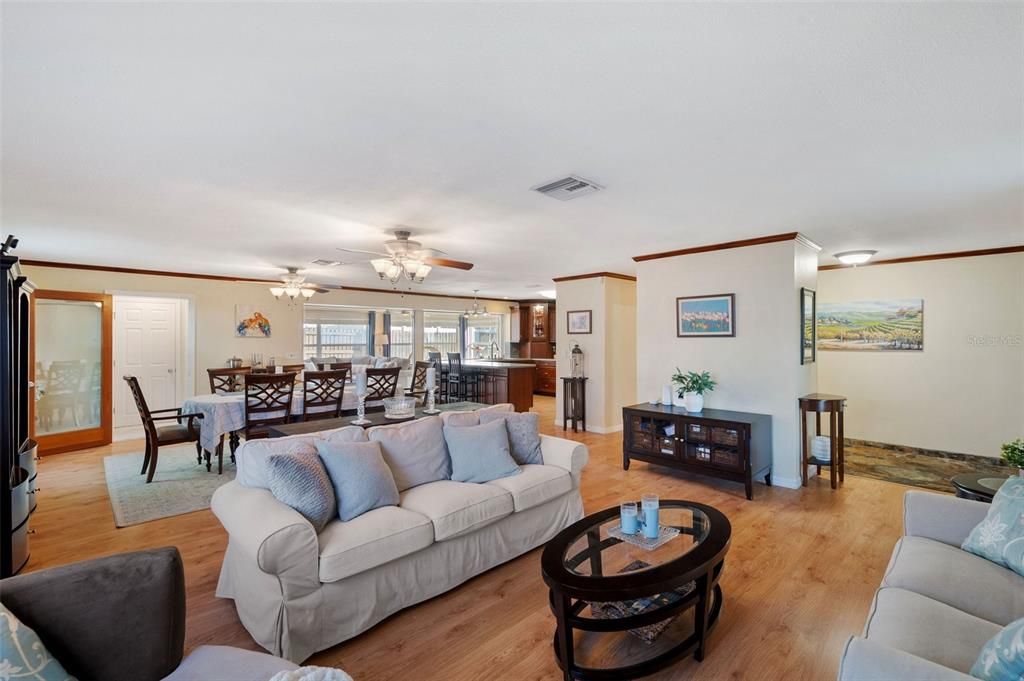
834 406
462 385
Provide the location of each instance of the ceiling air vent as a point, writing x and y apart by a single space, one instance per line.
567 188
325 263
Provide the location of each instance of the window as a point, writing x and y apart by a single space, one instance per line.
441 332
400 333
335 331
483 336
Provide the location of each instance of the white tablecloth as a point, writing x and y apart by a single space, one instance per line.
225 413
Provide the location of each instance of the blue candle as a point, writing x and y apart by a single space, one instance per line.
628 518
649 504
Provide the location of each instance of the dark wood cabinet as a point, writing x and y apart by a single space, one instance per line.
17 449
545 380
729 445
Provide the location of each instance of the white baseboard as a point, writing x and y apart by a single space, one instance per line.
128 433
602 430
788 483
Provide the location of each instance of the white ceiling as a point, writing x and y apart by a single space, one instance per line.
237 139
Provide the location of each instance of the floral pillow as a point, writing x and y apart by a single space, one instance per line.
1002 658
1000 536
23 655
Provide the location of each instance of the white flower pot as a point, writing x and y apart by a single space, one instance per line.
693 402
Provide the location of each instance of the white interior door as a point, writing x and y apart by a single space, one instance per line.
147 345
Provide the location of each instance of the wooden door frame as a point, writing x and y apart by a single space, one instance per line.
102 434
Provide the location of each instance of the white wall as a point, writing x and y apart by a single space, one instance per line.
965 391
609 351
759 369
215 301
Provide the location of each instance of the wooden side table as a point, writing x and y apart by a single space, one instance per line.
574 402
834 406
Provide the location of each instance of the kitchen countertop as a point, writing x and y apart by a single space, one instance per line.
497 364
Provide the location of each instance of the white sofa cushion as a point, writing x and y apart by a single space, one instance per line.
457 508
251 457
927 628
472 418
374 538
957 578
414 451
535 485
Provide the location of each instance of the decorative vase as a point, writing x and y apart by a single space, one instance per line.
693 402
678 401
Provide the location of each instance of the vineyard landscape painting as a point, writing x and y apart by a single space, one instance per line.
867 325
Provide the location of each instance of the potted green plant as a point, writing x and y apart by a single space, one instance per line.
692 386
1013 454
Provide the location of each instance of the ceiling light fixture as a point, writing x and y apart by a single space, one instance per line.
854 257
476 310
293 285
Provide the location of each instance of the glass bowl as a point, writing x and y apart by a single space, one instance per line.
399 407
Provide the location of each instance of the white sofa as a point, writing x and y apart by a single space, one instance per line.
298 593
938 605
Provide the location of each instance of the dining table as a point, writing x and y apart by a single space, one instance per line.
224 414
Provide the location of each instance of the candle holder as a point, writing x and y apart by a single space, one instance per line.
429 408
360 419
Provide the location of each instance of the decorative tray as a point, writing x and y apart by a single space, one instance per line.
665 534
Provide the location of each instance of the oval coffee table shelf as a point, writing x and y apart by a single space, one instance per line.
584 565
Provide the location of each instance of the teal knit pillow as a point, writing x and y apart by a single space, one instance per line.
1002 658
1000 536
23 655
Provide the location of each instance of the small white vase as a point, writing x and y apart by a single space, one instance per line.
678 401
693 402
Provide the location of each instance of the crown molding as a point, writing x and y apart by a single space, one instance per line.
595 275
725 245
933 256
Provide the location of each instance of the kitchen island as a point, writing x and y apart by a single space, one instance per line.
504 381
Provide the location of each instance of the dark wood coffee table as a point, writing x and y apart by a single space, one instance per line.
375 418
977 487
582 565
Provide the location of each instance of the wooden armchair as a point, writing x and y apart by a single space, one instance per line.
226 380
322 394
381 383
268 401
174 434
418 388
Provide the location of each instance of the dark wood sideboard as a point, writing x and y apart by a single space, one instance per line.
729 445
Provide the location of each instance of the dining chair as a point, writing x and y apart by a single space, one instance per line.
442 381
226 380
61 393
268 402
462 385
322 394
381 383
418 388
174 434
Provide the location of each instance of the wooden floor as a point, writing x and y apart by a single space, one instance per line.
798 578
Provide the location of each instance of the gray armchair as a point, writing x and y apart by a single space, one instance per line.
123 618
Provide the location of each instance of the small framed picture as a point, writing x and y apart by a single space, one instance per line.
578 321
699 316
808 333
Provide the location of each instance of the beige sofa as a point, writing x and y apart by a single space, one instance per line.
297 592
938 604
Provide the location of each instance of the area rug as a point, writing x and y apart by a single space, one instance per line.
915 467
179 486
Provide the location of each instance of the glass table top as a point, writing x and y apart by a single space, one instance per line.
613 555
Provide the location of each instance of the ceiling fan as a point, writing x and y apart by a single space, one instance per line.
408 258
294 285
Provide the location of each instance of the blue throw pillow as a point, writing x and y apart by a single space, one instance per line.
480 453
362 480
23 655
1000 536
299 480
1002 658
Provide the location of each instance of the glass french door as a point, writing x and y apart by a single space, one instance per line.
72 365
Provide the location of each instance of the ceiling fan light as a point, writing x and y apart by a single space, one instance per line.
291 292
411 266
307 292
381 266
422 271
276 291
858 257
